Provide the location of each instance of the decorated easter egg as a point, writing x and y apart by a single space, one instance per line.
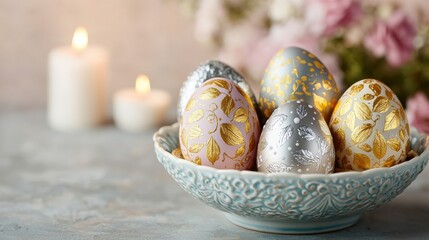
208 70
296 74
220 127
296 138
369 127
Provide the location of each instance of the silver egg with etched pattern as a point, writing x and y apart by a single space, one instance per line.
296 139
208 70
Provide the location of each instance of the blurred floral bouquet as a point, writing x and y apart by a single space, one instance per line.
386 40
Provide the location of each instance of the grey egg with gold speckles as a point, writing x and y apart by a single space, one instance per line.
296 139
296 74
208 70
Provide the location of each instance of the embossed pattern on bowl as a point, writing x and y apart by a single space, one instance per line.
287 196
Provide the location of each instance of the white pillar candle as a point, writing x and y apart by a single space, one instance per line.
77 85
138 109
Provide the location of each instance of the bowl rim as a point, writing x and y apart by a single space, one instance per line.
283 175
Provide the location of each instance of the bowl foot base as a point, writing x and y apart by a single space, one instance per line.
293 227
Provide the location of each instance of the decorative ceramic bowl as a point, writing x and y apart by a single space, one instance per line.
288 202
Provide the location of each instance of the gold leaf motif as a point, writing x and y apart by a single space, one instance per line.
213 150
317 85
394 144
339 139
177 153
293 97
318 64
362 161
381 104
365 147
240 151
402 112
367 96
227 105
190 104
305 90
326 85
209 93
184 138
389 94
402 134
230 134
350 121
320 102
252 143
361 133
195 132
390 161
295 71
195 148
218 82
246 96
336 120
375 88
407 147
346 106
392 120
247 127
362 111
356 89
196 115
241 115
288 79
379 145
324 127
349 151
198 160
294 87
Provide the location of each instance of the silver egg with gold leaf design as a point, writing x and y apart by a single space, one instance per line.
296 74
296 139
208 70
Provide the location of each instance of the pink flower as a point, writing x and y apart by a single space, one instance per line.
418 112
392 39
329 15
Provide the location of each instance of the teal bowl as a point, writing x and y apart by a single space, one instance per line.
287 202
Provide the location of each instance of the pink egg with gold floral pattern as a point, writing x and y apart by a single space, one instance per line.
219 127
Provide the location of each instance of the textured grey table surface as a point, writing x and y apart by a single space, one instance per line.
107 184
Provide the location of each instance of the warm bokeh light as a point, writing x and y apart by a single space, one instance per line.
80 38
142 84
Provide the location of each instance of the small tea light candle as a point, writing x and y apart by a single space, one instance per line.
141 108
76 88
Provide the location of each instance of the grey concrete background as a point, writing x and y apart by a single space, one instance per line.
107 184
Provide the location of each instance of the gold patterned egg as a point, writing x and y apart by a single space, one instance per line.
219 126
369 127
296 74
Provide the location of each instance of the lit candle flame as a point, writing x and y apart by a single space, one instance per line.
142 84
80 38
